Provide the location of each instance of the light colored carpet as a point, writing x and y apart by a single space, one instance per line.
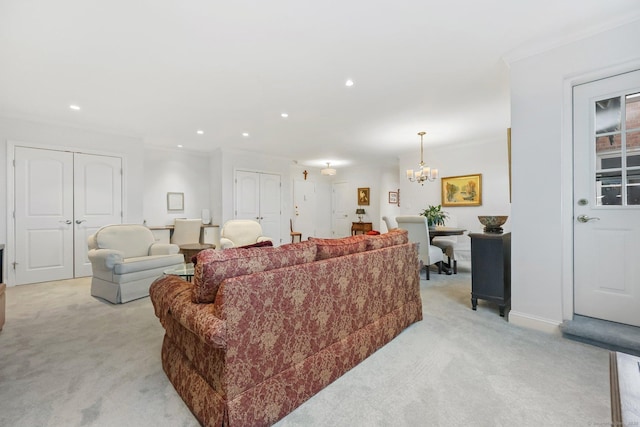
67 359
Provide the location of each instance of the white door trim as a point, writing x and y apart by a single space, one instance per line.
566 153
9 256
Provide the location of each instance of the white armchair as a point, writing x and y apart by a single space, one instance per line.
241 232
418 230
125 260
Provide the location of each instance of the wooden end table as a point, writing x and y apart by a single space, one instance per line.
189 250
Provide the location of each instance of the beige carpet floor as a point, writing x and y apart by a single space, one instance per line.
67 359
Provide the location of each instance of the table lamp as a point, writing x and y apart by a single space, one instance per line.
360 212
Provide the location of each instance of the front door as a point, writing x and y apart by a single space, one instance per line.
607 198
341 226
305 210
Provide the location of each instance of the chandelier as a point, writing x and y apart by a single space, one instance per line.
424 173
329 171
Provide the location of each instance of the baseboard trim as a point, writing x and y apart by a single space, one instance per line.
534 322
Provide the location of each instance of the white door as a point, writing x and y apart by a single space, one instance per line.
304 204
258 198
607 198
43 215
270 210
341 226
97 201
60 199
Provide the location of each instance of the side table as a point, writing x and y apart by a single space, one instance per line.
361 227
189 250
491 269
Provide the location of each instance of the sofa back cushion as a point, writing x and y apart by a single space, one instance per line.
392 238
330 248
134 240
215 266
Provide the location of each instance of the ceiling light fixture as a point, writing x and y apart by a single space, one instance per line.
328 171
200 132
179 145
284 115
349 83
245 134
425 173
74 107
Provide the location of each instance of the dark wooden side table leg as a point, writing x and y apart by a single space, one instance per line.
474 303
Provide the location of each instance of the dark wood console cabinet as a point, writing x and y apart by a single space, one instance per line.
491 268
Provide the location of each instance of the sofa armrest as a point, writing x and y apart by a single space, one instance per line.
163 249
171 296
226 243
105 259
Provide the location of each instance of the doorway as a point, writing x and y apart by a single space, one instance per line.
606 205
60 199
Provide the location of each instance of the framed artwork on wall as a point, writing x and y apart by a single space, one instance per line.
463 190
363 196
175 202
393 197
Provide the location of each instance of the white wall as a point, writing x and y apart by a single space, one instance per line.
541 274
489 158
175 171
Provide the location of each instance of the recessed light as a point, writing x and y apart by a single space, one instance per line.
245 134
349 83
284 115
179 145
74 107
200 132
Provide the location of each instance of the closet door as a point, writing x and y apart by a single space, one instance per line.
97 201
43 215
258 198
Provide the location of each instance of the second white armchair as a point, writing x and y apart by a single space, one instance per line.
241 232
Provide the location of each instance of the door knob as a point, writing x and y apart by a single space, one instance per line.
80 221
66 222
585 218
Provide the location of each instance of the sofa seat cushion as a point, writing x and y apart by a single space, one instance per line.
215 266
132 265
392 238
330 248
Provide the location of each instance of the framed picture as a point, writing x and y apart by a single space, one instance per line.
464 190
393 197
363 196
175 201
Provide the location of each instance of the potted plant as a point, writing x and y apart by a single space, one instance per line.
435 215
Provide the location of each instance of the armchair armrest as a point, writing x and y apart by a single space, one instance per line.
264 239
226 243
163 249
105 259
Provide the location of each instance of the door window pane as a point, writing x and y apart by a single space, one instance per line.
608 115
633 111
633 187
608 189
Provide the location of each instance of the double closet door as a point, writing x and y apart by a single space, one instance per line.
61 198
258 197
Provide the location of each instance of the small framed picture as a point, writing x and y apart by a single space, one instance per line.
363 196
393 197
175 202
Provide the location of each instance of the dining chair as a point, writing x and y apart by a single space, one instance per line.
418 230
294 234
448 246
186 231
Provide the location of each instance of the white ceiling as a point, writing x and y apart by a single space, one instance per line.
160 70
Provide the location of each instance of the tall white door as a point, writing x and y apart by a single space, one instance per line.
304 205
97 201
60 199
341 225
43 215
607 198
258 197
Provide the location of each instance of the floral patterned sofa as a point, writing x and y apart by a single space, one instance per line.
261 330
